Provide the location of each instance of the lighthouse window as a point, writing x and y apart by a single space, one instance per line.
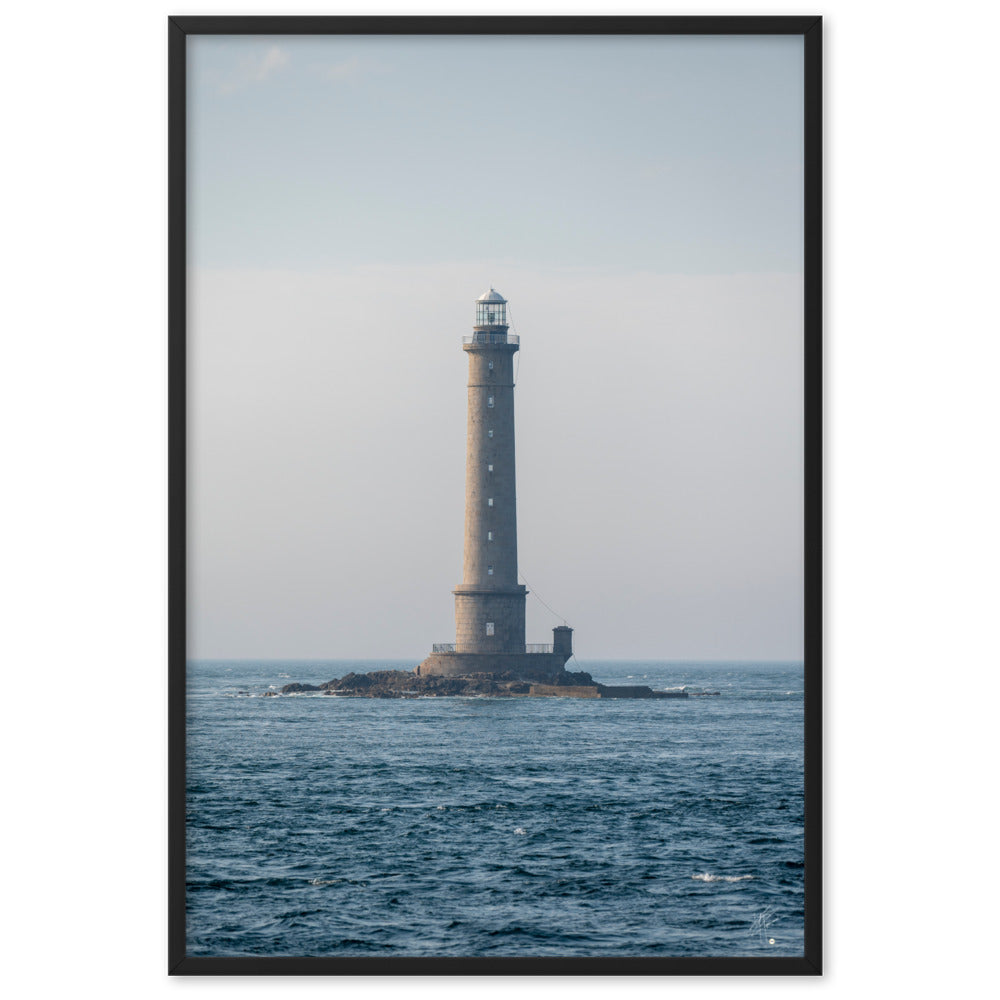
489 536
489 400
491 366
489 569
489 502
490 432
490 628
489 468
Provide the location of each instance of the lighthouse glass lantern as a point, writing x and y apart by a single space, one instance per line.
491 310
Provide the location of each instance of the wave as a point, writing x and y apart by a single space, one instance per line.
339 881
708 877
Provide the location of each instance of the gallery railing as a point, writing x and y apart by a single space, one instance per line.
492 338
443 647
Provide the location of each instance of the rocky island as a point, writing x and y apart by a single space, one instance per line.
410 684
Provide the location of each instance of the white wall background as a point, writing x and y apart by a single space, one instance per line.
911 501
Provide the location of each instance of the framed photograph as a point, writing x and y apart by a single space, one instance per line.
495 495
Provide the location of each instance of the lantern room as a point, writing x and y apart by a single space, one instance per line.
491 309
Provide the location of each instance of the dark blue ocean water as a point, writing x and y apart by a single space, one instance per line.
465 826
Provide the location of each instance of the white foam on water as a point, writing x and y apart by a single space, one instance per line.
520 831
708 877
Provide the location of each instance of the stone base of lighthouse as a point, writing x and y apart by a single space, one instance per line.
523 666
540 666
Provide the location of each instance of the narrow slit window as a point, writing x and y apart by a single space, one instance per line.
489 433
489 502
491 366
489 570
490 628
489 536
489 468
489 400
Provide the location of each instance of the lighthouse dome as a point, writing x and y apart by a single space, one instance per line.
491 296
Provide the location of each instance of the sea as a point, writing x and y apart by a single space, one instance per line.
335 826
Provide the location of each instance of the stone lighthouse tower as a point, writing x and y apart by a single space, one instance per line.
489 602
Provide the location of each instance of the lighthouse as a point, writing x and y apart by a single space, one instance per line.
489 602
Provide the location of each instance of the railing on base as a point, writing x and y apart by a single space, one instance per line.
531 647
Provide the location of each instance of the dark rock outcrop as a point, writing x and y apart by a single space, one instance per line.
404 683
407 684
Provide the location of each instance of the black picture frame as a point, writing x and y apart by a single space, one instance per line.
810 28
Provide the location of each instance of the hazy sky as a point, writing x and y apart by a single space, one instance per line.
638 201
